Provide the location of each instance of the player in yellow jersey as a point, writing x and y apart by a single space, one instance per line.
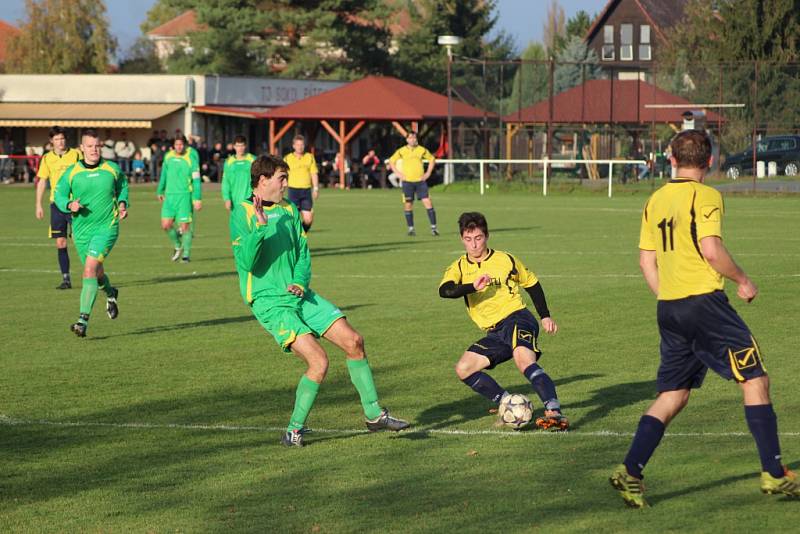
489 281
683 260
414 176
51 167
303 180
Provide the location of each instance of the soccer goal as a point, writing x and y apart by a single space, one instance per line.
451 167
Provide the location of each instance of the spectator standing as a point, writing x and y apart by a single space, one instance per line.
124 150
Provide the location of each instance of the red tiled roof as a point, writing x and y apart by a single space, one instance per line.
6 32
184 23
376 98
591 103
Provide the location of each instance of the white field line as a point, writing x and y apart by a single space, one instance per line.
375 276
10 421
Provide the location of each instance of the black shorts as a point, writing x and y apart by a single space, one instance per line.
420 189
519 329
59 222
704 332
301 197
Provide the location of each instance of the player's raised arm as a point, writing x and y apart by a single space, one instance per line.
302 269
247 237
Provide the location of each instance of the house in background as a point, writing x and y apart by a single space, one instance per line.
627 34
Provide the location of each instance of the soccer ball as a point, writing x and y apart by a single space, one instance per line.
515 411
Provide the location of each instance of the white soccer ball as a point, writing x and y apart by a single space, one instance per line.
515 411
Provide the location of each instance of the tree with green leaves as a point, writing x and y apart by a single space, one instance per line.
62 37
577 26
575 63
530 83
421 60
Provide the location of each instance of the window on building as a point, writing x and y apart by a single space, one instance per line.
626 42
645 53
608 43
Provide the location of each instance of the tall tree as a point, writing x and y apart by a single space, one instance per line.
575 63
530 83
421 60
62 37
554 26
577 26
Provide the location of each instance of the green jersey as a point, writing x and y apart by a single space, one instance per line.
180 175
236 178
269 257
99 188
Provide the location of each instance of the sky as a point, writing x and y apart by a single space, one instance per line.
522 19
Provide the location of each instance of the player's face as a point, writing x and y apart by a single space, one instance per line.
239 148
475 242
90 146
272 189
412 140
59 142
179 146
299 146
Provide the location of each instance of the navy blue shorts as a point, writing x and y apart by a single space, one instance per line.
519 329
301 197
704 332
59 222
420 189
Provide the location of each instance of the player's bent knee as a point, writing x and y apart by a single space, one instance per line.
466 366
355 346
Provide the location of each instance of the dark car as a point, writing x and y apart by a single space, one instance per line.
784 150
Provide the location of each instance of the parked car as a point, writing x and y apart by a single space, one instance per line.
784 150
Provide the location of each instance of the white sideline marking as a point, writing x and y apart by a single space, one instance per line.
9 421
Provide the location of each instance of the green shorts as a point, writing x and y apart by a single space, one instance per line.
97 245
178 207
313 316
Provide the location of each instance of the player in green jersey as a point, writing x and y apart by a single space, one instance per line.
95 192
236 174
180 194
274 266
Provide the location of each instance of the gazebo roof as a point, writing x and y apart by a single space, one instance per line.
376 98
590 103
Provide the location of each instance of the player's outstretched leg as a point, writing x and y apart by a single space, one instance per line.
112 293
470 370
525 358
310 351
346 338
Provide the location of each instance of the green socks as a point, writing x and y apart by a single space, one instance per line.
105 284
186 242
88 295
361 376
306 392
172 234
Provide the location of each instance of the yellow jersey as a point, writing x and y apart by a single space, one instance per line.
675 219
300 169
52 166
502 296
413 158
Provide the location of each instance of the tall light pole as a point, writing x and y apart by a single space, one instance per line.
449 41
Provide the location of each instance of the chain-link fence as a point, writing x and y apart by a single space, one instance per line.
561 110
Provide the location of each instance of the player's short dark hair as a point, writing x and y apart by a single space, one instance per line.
471 220
57 130
181 138
691 149
298 138
240 139
265 166
90 133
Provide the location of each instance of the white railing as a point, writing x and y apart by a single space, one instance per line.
545 162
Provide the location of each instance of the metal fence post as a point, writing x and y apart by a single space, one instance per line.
610 176
480 167
544 181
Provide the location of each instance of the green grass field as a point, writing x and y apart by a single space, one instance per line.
168 419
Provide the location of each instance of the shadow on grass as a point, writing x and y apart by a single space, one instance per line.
606 399
654 499
475 407
179 326
179 278
359 249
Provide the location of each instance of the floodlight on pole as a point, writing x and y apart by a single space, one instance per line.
449 41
